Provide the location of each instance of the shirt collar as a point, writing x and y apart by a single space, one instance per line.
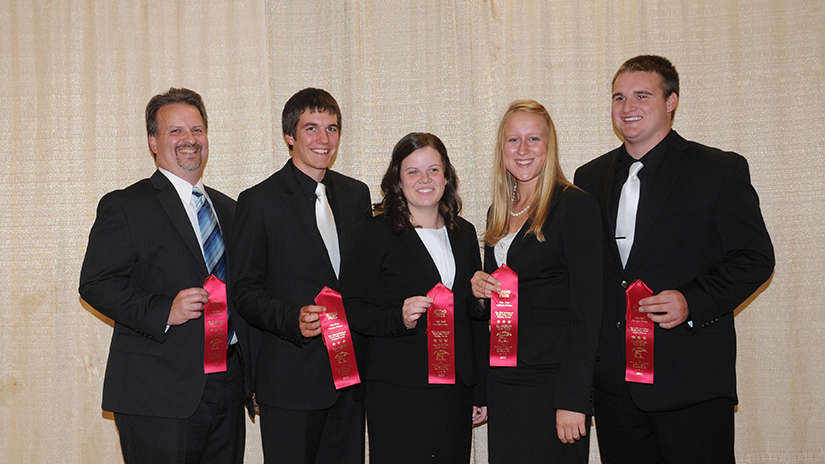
652 159
308 184
183 187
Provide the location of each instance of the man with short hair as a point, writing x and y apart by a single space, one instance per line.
684 219
150 251
286 254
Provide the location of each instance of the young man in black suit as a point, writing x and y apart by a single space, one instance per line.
701 245
284 259
145 268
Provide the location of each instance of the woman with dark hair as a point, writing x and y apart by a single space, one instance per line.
549 233
416 243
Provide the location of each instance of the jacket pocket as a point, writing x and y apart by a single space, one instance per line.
132 342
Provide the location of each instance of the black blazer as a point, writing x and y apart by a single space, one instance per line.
700 232
560 294
142 251
280 265
384 270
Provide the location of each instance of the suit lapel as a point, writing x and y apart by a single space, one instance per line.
302 214
170 201
462 260
519 240
416 246
661 186
608 222
223 212
347 215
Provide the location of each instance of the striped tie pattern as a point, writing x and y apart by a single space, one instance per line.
214 250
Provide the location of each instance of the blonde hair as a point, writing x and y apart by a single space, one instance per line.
499 216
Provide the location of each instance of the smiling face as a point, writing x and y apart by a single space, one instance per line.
423 182
315 143
641 112
181 146
525 146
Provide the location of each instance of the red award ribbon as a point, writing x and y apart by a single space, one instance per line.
504 319
337 339
215 326
441 336
638 337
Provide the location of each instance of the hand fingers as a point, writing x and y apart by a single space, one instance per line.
667 324
479 415
569 435
662 318
413 315
193 306
313 309
493 284
193 292
417 304
310 315
485 284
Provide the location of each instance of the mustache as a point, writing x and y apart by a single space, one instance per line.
195 145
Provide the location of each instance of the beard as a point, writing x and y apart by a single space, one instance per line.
190 163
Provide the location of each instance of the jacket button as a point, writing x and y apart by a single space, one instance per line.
624 284
619 325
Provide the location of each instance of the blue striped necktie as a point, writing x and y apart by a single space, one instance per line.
214 250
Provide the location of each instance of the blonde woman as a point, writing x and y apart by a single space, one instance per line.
549 233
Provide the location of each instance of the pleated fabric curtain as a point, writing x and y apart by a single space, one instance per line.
77 74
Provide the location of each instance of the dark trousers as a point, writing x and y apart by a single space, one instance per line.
318 436
215 433
522 421
415 425
702 433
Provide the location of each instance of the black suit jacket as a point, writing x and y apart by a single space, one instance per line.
280 265
700 232
384 270
560 294
142 251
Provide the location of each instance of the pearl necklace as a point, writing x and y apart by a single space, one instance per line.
513 199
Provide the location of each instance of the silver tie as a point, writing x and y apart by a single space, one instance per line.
326 226
626 217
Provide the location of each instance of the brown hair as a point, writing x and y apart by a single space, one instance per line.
653 64
314 100
394 204
172 96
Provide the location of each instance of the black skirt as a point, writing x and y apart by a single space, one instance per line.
522 421
419 424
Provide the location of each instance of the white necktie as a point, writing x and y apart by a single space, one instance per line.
326 225
626 217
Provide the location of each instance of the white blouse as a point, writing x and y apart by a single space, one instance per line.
438 245
503 247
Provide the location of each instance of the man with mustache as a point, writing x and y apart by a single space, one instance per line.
150 251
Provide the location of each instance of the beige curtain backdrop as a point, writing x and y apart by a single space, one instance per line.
75 76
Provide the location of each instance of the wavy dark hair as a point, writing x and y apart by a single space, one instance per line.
394 205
